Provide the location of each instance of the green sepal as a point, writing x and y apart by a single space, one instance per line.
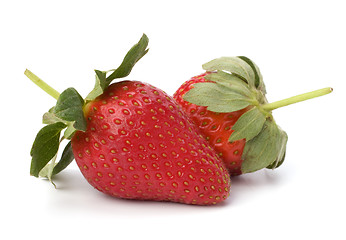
216 97
69 107
45 147
248 126
230 81
66 158
130 59
47 171
259 84
100 85
101 77
52 168
234 65
267 149
277 163
70 130
50 117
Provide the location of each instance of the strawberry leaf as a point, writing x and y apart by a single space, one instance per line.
50 117
216 97
248 126
69 107
66 158
70 130
100 85
233 65
46 172
130 59
267 149
101 78
45 147
230 81
279 161
52 168
259 84
254 69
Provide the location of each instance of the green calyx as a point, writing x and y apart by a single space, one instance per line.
68 116
235 83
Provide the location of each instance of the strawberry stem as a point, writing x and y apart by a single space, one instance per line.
299 98
43 85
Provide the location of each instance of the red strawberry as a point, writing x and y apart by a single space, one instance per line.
216 127
229 106
139 145
132 141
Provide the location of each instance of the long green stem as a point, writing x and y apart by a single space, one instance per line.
295 99
44 86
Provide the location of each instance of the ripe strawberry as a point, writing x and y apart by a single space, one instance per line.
229 106
139 145
216 127
131 141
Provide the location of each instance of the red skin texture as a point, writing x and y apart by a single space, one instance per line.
216 127
140 145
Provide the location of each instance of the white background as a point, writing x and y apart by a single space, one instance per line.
298 45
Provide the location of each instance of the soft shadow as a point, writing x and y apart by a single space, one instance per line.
76 195
74 190
71 179
247 186
260 178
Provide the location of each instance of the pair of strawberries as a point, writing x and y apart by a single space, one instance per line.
131 140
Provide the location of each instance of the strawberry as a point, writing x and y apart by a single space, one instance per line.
229 106
130 140
139 145
217 127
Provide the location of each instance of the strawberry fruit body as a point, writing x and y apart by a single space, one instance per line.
228 104
130 140
216 127
139 145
